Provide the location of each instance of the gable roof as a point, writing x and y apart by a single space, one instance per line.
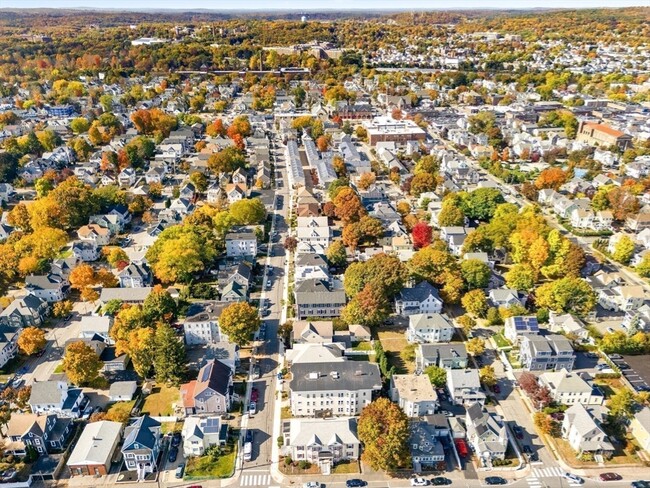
215 376
140 432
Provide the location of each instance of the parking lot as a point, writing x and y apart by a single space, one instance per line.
636 370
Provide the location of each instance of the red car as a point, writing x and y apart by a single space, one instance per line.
610 477
496 389
254 395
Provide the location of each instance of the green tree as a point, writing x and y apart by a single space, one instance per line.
450 216
227 160
567 295
475 303
79 125
621 404
81 363
643 268
159 305
337 254
481 203
239 321
476 273
437 376
623 250
520 277
248 211
384 431
169 359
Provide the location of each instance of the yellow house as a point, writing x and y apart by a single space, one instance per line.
640 428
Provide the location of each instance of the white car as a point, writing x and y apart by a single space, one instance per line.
419 482
311 484
574 478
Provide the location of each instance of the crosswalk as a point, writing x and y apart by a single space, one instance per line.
536 479
255 480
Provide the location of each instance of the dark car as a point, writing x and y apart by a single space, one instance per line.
176 439
440 481
622 366
527 450
610 477
496 389
355 483
495 480
640 484
519 432
173 452
254 394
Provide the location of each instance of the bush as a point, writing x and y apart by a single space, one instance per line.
304 465
288 461
280 441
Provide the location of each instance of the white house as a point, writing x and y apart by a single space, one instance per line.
201 324
464 386
57 398
426 328
487 434
201 433
241 244
423 298
581 427
414 394
570 388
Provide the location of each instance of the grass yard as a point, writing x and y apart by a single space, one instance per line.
569 455
59 368
350 467
120 410
609 386
362 346
398 350
159 402
205 467
501 341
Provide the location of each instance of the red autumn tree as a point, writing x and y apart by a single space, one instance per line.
422 235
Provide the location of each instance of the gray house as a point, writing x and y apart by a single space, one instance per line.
546 352
448 356
142 445
315 298
25 312
211 392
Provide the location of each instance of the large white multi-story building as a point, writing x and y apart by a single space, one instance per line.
338 389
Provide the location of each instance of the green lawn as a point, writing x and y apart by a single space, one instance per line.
501 341
159 402
59 368
362 346
205 467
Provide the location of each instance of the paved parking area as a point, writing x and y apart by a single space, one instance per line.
638 373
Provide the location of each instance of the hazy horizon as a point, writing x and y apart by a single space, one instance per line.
267 5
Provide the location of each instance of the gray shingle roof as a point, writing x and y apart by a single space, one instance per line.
349 376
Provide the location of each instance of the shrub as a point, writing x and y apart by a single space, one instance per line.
304 465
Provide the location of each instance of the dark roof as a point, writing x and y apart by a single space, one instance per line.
419 292
342 376
214 375
140 432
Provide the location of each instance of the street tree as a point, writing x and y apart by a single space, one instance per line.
239 321
487 376
31 340
475 303
475 346
437 376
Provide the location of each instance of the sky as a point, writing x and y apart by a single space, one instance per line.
318 4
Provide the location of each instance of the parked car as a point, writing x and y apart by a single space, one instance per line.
527 449
574 478
419 482
254 394
252 408
615 356
355 483
311 484
519 432
173 453
610 477
495 480
446 413
176 439
440 481
496 389
640 484
179 471
623 366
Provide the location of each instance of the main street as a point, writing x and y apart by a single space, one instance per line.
257 472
